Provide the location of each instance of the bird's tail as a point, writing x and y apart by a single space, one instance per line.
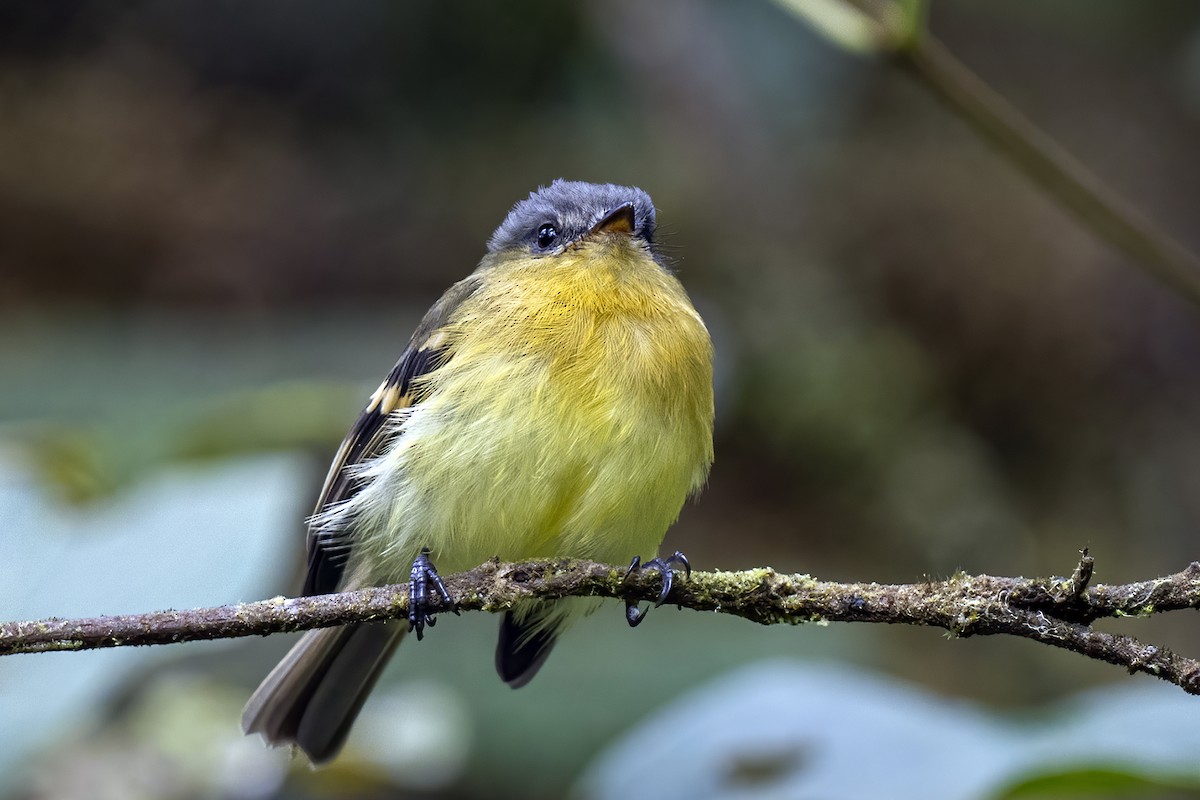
313 695
526 639
528 634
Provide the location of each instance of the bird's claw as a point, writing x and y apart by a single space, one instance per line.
635 615
422 576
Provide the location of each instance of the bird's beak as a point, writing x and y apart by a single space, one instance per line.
619 220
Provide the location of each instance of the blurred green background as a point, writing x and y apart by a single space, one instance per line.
219 222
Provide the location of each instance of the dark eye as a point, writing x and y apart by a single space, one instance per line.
546 236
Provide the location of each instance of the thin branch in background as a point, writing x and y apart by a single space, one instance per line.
1054 611
898 30
912 24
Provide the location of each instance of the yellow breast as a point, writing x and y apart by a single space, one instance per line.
572 417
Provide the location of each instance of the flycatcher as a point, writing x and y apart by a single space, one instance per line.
556 403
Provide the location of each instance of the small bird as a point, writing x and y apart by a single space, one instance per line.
556 403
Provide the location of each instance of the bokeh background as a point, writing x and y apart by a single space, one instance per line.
219 222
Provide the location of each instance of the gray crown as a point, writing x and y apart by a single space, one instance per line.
572 207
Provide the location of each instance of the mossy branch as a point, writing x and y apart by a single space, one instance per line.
1054 611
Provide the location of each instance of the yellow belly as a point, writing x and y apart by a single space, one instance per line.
570 425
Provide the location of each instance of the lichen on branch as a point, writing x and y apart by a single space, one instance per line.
1055 611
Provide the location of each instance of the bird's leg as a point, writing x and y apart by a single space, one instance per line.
633 614
423 574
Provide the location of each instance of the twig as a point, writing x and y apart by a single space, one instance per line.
1101 209
1054 611
897 29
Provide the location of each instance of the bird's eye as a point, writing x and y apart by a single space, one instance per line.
546 236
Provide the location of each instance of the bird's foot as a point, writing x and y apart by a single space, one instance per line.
424 575
635 615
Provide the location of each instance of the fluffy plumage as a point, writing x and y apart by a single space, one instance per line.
555 403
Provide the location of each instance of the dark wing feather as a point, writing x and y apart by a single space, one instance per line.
328 551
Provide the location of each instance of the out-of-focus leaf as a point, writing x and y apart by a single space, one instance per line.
82 464
74 462
284 416
183 538
786 729
1103 782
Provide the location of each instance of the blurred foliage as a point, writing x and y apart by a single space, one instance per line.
219 222
83 464
1102 782
784 729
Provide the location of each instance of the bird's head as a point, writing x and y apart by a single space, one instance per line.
571 214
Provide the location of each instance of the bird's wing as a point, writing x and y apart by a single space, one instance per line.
329 550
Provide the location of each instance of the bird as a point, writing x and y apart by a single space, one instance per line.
555 403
